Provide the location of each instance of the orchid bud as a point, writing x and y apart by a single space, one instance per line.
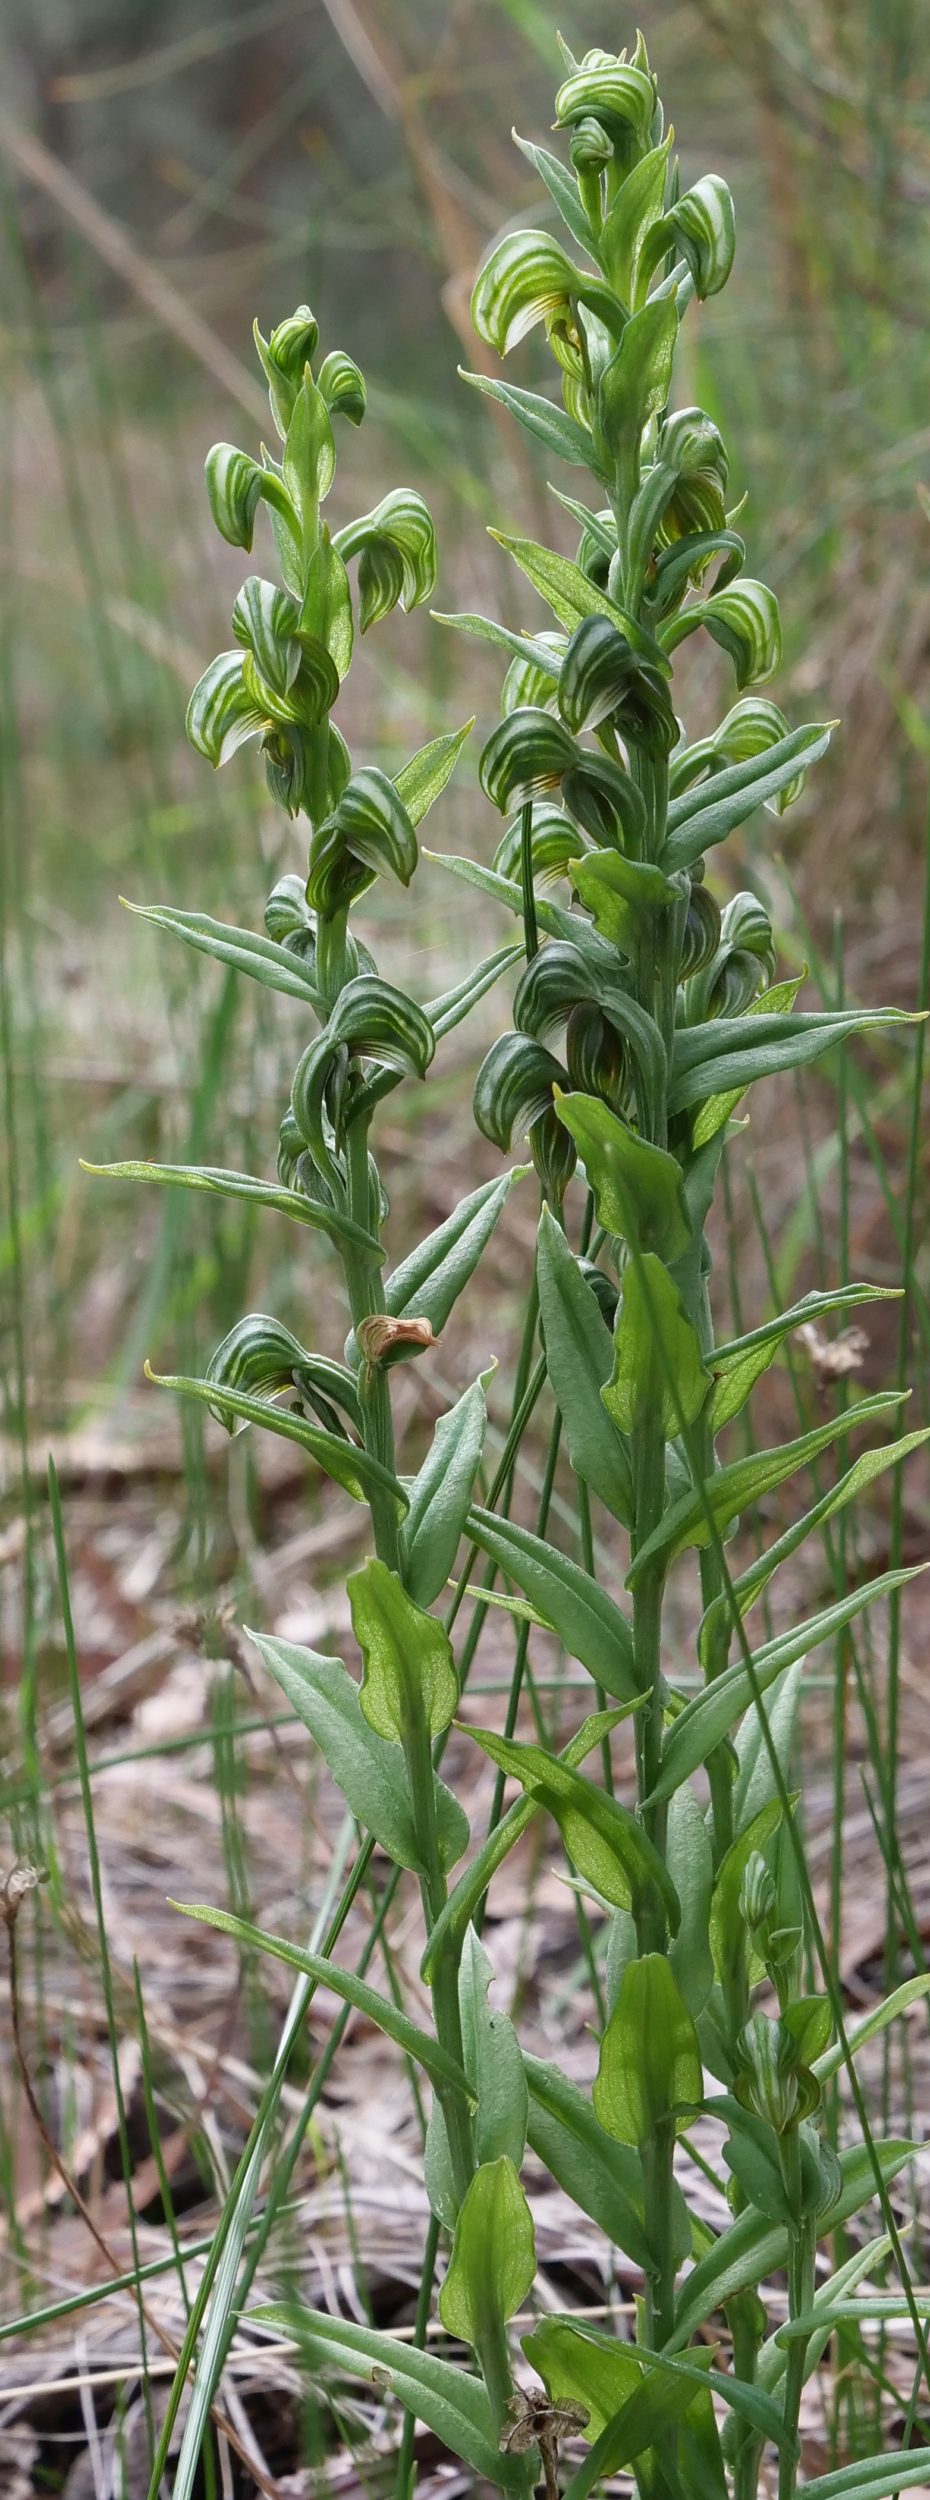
597 547
289 920
287 765
773 2079
553 1153
594 1055
284 357
342 386
741 966
591 147
605 1291
701 936
757 1892
617 94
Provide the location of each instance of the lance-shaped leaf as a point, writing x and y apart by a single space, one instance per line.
638 1188
634 386
588 1623
528 278
441 1493
373 1777
707 1719
370 825
649 2075
702 817
876 2476
212 1181
736 1050
702 227
578 2366
752 727
422 780
890 2010
563 188
632 214
617 93
658 1368
443 2070
260 1355
341 386
542 418
452 1006
223 712
714 1634
493 2062
579 1359
236 485
493 2259
666 2395
542 651
261 957
396 547
352 1468
712 1117
740 1363
454 1919
606 1843
428 1283
735 1488
453 2404
744 619
601 2176
752 2249
509 891
409 1677
572 595
515 1084
308 461
326 610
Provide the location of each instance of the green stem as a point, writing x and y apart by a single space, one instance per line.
366 1298
801 2254
658 2186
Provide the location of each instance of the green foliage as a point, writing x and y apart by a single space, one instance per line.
644 1009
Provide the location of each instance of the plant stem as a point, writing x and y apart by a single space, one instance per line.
658 2184
801 2252
366 1297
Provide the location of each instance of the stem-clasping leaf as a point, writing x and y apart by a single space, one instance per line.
604 1841
350 1466
449 2399
443 2069
372 1776
649 2075
579 1359
493 2258
409 1672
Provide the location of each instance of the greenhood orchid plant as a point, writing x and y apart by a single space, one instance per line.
643 1013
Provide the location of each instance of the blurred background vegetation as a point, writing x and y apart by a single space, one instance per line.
167 174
